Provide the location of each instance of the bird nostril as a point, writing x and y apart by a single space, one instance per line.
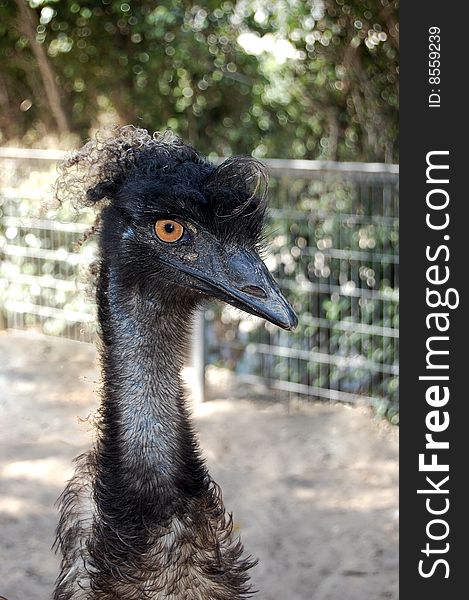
253 290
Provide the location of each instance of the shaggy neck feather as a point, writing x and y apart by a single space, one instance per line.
147 448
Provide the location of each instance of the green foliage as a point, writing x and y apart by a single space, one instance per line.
310 79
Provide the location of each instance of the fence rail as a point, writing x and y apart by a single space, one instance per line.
334 251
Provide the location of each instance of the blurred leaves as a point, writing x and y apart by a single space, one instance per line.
310 79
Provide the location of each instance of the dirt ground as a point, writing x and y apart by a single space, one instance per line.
313 488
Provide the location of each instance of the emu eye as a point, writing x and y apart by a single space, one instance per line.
168 230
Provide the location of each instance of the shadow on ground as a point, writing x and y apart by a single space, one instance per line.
313 488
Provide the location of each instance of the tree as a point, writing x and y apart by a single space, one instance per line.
28 26
310 79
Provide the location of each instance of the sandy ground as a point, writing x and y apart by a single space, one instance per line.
313 488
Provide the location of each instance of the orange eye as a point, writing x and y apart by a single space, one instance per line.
168 230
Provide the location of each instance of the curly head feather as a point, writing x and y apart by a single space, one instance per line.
139 172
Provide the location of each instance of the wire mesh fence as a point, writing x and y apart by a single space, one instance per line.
43 271
333 231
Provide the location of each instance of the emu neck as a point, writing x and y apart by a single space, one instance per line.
147 447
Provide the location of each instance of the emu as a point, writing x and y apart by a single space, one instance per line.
141 518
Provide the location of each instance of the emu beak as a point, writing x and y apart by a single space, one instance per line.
245 282
240 278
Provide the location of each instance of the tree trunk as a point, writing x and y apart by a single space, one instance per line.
333 123
7 117
28 27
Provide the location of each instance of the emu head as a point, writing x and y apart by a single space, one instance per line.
175 225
